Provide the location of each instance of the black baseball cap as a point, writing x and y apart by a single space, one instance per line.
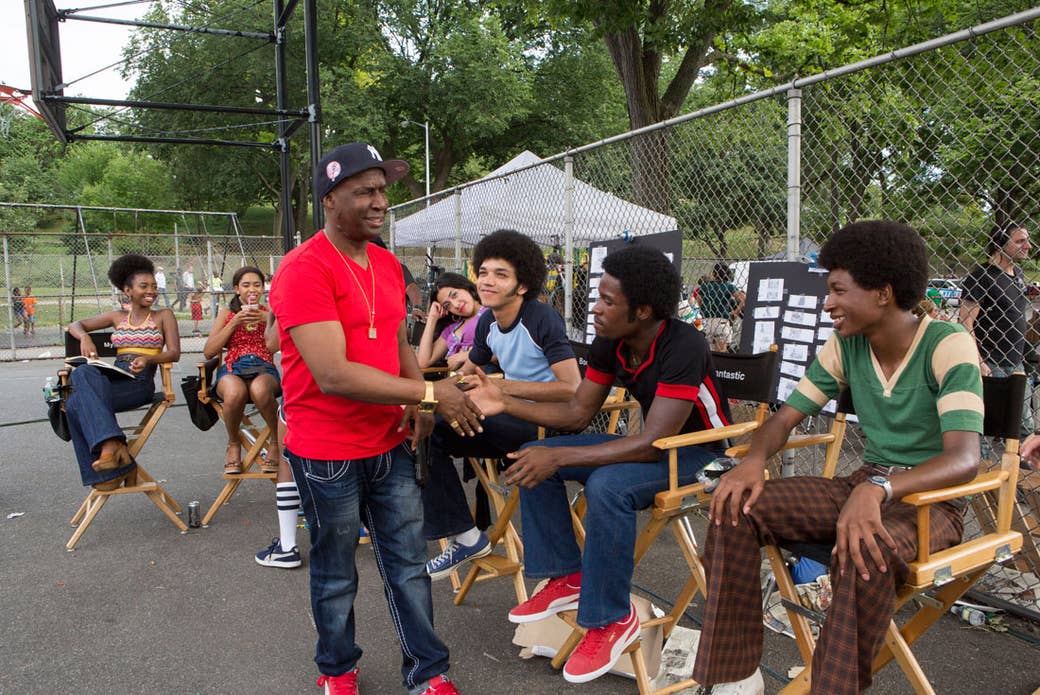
346 160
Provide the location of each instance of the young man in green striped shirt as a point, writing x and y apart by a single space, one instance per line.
918 395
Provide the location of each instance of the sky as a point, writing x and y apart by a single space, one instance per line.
85 47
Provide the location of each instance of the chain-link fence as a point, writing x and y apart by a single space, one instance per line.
55 271
942 135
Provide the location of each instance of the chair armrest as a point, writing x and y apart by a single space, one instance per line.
166 370
795 442
203 367
989 480
619 405
670 501
704 436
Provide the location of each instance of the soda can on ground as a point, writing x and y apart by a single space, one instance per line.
194 515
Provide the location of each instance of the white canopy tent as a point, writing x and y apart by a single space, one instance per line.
532 200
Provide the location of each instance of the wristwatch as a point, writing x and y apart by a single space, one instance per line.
428 404
883 483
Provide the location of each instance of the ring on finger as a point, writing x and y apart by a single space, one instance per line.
454 424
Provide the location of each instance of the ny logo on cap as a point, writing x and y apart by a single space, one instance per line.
375 154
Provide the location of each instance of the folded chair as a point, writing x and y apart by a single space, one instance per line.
136 436
253 434
740 377
937 579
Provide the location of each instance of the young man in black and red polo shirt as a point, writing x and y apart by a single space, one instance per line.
666 365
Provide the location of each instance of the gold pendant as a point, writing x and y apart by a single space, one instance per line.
372 333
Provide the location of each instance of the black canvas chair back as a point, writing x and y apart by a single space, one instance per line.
581 352
746 377
1003 397
102 341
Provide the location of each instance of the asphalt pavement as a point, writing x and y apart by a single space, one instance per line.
140 608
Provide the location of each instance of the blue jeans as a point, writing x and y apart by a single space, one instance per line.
446 510
247 367
335 495
91 408
614 494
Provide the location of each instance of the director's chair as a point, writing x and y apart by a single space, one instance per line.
505 501
739 377
139 481
253 434
938 579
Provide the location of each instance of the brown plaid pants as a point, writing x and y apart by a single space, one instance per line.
806 509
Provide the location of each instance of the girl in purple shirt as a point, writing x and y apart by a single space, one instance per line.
450 322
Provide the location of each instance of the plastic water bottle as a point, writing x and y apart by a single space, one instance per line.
972 616
48 390
709 475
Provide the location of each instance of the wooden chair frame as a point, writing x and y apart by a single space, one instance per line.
252 436
504 501
937 579
670 508
139 481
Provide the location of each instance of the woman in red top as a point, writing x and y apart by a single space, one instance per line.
247 371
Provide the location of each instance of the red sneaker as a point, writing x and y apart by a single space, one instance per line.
340 685
600 649
439 685
560 594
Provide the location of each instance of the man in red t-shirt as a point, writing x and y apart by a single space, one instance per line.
348 370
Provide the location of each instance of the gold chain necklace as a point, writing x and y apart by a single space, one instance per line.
130 316
371 306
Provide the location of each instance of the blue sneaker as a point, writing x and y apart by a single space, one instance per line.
454 555
364 538
274 556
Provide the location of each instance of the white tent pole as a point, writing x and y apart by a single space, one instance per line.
568 226
458 231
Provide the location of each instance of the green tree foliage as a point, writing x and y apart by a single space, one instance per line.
27 157
204 69
485 92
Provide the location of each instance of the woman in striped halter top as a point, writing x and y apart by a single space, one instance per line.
247 372
143 338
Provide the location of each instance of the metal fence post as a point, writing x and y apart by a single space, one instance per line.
90 256
568 227
458 231
209 276
794 172
10 304
114 291
61 295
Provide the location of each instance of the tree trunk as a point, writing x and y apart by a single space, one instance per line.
638 66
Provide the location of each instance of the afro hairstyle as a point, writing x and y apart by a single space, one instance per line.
878 253
124 268
647 278
520 252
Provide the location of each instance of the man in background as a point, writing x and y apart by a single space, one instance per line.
993 307
160 284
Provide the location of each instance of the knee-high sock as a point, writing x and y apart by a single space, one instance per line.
288 508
